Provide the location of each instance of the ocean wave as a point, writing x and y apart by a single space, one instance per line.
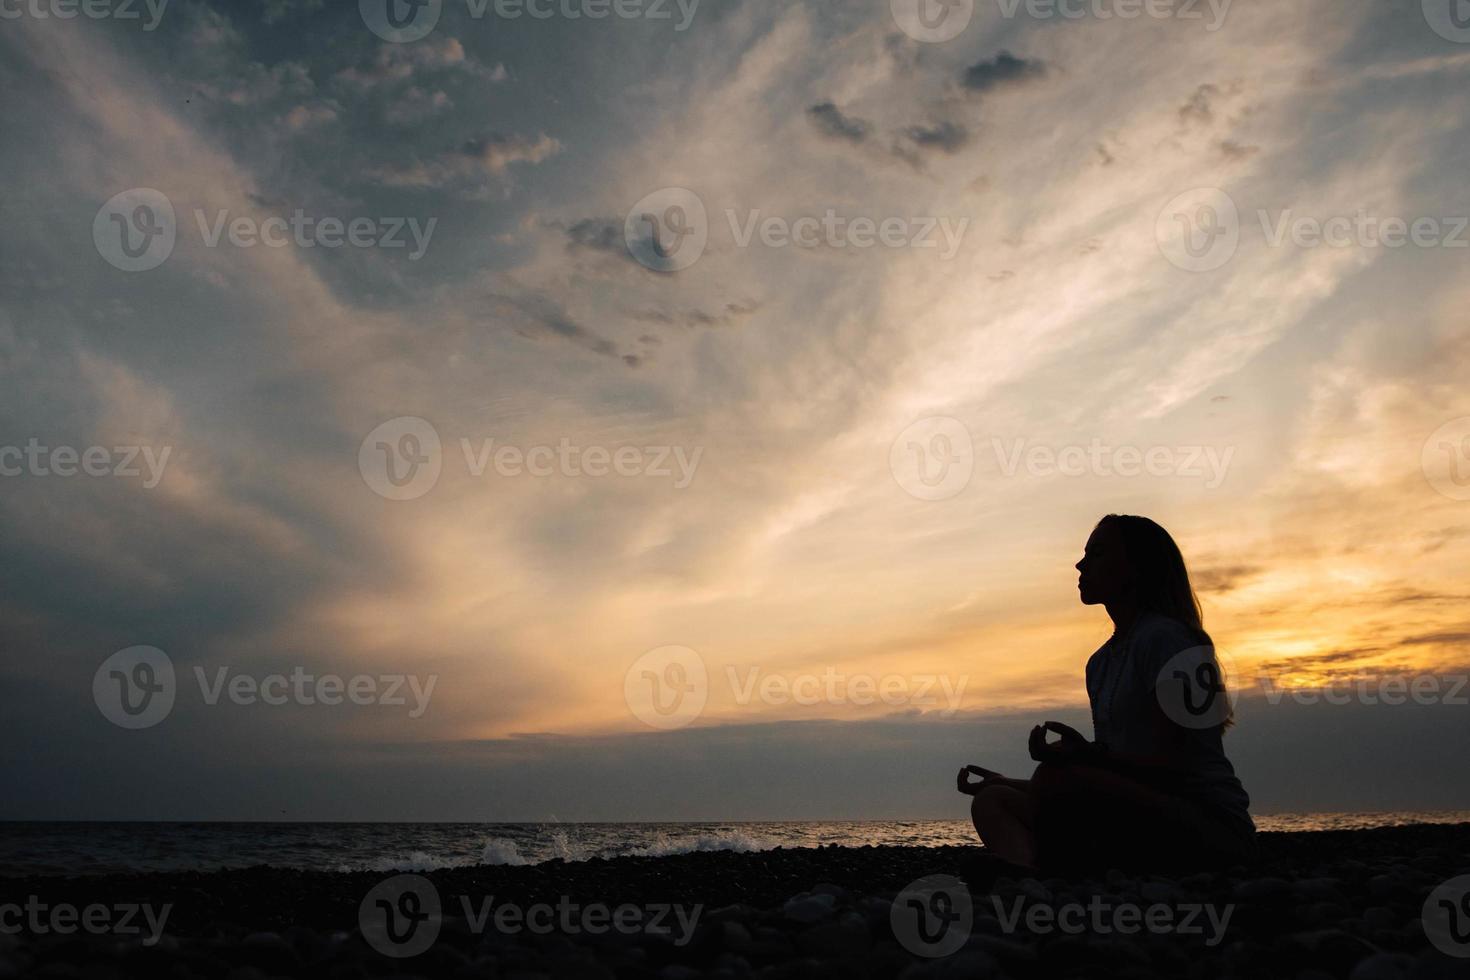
737 841
502 852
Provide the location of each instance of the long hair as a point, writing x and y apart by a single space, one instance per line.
1161 580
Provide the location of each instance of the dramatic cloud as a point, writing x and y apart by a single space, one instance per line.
1005 70
911 274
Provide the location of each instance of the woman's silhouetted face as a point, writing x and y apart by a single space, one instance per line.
1104 572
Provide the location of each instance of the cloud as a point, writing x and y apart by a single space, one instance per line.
832 123
309 116
417 105
597 234
471 162
1003 71
945 137
731 313
540 317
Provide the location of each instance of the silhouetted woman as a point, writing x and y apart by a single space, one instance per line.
1154 790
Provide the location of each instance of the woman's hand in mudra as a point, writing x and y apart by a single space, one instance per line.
987 777
1071 747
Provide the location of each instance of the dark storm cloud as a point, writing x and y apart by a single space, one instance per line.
1290 757
831 122
1005 70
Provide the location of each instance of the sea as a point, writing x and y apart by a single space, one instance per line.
67 848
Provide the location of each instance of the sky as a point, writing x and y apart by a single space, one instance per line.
704 413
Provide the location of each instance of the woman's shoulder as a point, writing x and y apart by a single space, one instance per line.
1158 633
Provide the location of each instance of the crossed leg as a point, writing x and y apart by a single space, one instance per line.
1004 815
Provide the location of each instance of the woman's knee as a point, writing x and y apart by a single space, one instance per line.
989 801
